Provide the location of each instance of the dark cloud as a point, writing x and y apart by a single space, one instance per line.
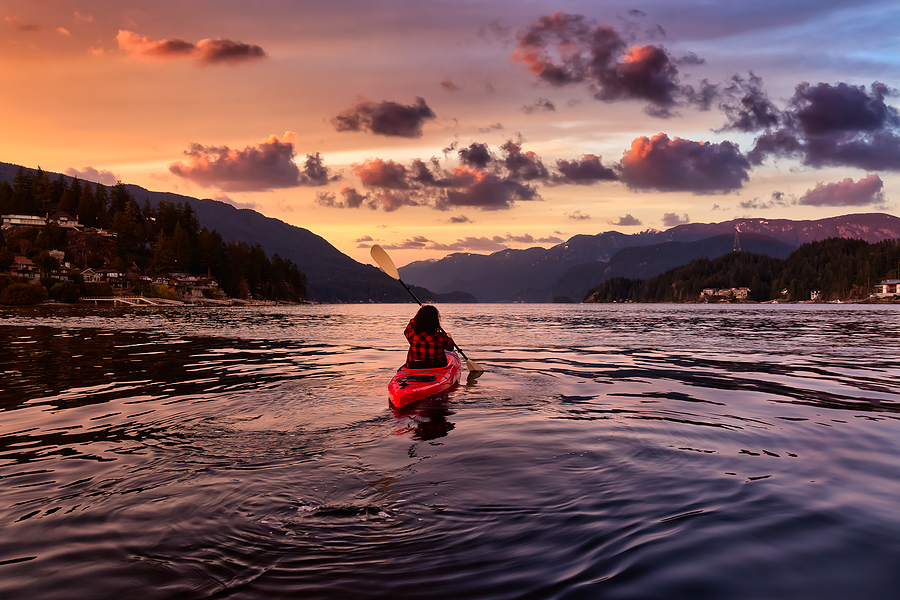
672 219
350 198
523 166
747 106
449 86
268 166
836 125
207 52
627 221
461 219
539 105
679 165
586 171
386 118
578 216
476 155
226 51
596 55
487 191
867 190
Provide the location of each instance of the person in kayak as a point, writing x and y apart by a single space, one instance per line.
427 341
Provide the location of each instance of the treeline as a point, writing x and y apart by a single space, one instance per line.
147 240
839 268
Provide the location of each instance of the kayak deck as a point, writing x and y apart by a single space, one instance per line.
410 385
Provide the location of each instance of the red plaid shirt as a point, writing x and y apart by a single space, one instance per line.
426 346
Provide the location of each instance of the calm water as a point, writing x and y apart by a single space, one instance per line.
608 452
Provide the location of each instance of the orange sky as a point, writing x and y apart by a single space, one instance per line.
432 127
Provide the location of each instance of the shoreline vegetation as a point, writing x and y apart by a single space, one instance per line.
828 271
112 247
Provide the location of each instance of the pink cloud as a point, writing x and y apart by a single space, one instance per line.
867 190
206 52
267 166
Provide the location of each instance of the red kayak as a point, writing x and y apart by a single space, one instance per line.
409 385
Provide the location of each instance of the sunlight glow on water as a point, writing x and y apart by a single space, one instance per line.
660 451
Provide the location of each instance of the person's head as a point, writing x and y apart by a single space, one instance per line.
428 320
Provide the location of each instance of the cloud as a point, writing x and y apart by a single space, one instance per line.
378 173
676 164
365 238
461 219
62 31
449 86
836 125
777 200
92 174
627 221
350 198
494 126
485 190
24 27
471 243
867 190
586 171
747 106
83 18
476 155
578 216
539 105
386 118
672 219
564 49
526 166
206 52
268 166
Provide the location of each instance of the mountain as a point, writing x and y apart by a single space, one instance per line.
537 274
331 275
644 262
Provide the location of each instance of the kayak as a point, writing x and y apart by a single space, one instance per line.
409 385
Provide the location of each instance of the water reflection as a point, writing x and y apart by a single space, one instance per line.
663 451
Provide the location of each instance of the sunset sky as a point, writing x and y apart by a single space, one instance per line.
432 127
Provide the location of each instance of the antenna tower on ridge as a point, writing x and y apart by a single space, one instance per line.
737 239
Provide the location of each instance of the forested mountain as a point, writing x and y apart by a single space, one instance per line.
646 261
841 269
331 275
149 240
537 274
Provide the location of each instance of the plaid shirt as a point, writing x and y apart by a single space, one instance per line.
426 346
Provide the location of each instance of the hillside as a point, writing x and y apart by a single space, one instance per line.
538 275
332 276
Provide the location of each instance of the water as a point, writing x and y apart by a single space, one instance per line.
609 451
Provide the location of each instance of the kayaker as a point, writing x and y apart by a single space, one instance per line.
427 341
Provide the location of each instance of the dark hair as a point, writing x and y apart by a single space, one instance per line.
428 320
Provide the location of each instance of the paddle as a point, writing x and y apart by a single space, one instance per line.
387 265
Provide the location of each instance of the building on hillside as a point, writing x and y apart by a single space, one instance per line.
23 267
888 287
64 219
741 293
23 221
90 276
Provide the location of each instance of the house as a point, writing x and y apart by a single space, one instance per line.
23 267
23 221
90 276
64 219
888 287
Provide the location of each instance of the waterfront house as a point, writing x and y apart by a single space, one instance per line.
888 287
90 276
23 267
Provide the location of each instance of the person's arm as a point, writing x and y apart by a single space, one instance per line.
448 342
410 330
